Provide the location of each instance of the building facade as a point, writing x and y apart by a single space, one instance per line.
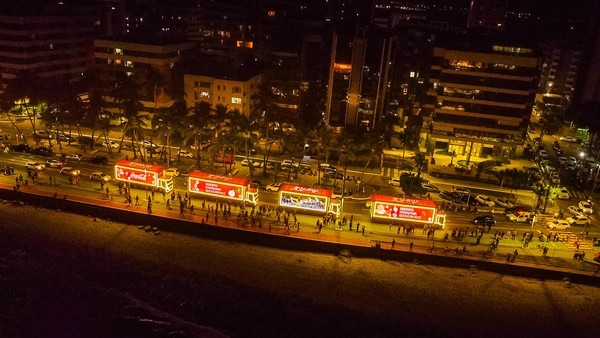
480 99
235 90
52 42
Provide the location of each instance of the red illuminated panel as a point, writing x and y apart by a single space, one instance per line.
140 166
306 190
403 212
139 176
220 178
231 191
403 200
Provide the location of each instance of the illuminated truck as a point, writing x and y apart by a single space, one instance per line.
225 187
405 209
140 174
308 199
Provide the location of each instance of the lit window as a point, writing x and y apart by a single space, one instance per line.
271 13
236 100
204 95
118 51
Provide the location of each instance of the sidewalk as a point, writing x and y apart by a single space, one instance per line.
559 256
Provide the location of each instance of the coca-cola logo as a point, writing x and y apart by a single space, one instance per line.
307 190
138 176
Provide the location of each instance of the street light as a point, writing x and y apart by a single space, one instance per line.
582 155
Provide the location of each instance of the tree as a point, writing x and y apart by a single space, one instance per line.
411 184
588 114
198 118
126 96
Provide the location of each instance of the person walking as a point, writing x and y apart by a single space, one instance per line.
410 245
363 230
515 256
358 227
508 258
393 243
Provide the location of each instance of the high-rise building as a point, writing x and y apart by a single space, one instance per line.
51 42
481 97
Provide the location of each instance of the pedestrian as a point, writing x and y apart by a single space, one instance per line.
192 209
393 243
410 245
508 258
137 200
298 227
363 230
358 227
515 255
398 232
431 248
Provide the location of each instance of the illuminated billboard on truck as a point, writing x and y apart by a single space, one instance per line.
305 198
403 209
138 173
217 185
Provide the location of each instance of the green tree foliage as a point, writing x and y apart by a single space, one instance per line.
411 184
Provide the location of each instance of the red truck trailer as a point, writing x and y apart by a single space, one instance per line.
148 175
405 209
226 187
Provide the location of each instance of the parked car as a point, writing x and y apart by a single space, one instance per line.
21 148
485 220
34 166
100 176
172 172
562 160
564 194
485 200
543 154
503 202
586 207
273 187
578 220
568 139
575 210
69 171
430 187
43 134
558 224
461 190
54 163
99 160
43 151
73 157
185 154
110 144
246 163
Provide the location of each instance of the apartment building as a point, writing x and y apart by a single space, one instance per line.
50 41
235 88
480 98
138 58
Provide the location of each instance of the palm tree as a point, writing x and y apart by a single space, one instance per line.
322 137
127 99
198 118
244 130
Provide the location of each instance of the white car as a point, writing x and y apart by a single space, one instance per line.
568 139
110 144
460 190
504 203
245 163
558 224
564 194
99 176
69 171
54 163
485 200
430 187
73 157
273 187
172 172
520 218
185 154
586 207
574 210
34 166
578 220
571 161
148 144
